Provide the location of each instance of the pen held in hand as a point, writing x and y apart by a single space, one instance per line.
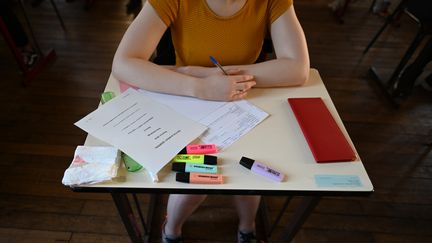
218 65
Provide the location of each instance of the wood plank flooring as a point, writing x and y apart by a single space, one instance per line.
38 135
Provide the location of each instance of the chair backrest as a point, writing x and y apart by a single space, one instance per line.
165 53
420 9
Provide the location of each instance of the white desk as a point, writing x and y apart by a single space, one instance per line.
278 141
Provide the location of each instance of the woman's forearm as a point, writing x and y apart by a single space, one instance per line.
277 72
172 80
149 76
273 73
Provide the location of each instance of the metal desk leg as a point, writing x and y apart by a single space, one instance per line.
299 217
263 216
150 214
263 212
125 210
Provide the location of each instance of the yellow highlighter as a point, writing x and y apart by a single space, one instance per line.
196 158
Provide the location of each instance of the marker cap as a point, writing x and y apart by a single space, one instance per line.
107 96
261 169
246 162
196 158
210 160
199 178
178 166
183 177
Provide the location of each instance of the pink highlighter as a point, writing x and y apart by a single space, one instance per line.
199 149
261 169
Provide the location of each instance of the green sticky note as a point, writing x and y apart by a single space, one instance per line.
131 164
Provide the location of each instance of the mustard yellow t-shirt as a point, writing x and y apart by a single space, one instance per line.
197 32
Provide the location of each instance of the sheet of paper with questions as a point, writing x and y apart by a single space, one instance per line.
148 131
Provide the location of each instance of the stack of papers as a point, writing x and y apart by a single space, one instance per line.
152 127
149 132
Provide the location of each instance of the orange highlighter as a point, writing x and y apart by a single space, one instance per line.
199 178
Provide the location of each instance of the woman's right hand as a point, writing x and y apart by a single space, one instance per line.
234 86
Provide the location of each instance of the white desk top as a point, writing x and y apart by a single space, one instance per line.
278 142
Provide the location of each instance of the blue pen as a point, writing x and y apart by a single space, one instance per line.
217 64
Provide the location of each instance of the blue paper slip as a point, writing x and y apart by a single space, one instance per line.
338 181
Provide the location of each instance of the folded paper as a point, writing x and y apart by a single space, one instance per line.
92 164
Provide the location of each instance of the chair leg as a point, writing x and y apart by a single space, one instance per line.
388 20
28 73
389 89
376 36
411 49
11 43
429 139
372 5
340 12
58 15
29 27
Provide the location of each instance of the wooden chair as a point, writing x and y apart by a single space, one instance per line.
29 73
419 11
340 12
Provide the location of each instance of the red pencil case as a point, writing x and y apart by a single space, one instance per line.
322 133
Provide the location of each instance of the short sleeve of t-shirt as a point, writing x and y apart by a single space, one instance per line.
167 10
277 8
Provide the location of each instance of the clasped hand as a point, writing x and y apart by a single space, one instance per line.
214 85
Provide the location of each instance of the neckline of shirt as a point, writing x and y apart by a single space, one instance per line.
222 17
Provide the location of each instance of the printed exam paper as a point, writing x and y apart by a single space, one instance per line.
149 132
226 121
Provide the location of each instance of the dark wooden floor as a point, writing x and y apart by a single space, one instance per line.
38 135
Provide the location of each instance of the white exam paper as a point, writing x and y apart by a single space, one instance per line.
226 121
149 132
229 122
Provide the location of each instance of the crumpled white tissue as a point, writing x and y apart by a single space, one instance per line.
92 164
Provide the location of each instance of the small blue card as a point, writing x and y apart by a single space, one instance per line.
338 181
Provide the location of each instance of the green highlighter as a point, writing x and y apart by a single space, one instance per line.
131 164
107 96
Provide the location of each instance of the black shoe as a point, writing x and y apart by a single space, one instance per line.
246 237
166 239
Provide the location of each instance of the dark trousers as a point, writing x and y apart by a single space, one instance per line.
413 71
12 23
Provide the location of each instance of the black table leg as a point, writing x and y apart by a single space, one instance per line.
125 210
299 217
269 228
